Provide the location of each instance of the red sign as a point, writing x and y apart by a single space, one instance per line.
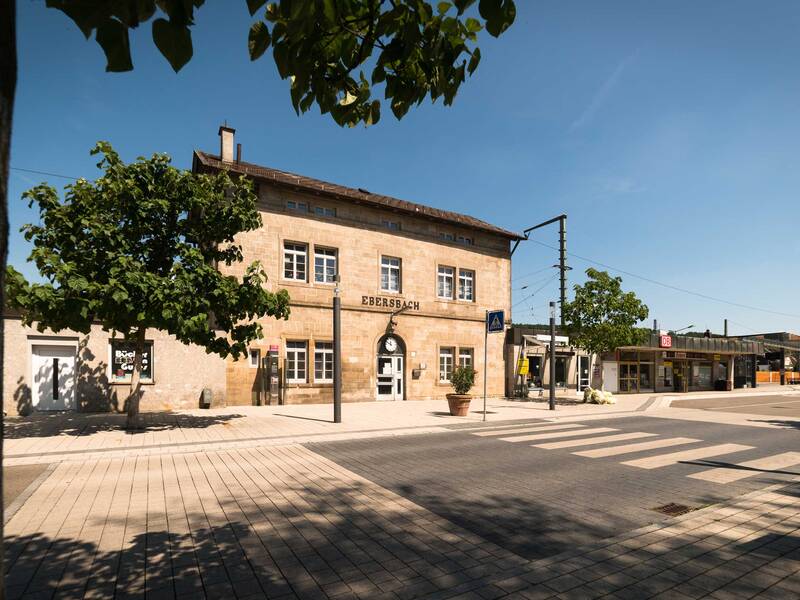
273 348
666 341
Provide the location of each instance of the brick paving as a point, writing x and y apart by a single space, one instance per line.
285 522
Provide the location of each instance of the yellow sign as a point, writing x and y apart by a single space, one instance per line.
667 363
522 365
717 357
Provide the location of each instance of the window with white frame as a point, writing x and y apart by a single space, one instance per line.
393 225
255 358
297 206
296 360
324 211
448 237
294 261
444 282
325 265
464 240
390 274
446 356
465 357
323 362
466 285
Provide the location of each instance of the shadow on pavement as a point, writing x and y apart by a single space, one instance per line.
76 424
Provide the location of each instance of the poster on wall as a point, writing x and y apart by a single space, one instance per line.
122 354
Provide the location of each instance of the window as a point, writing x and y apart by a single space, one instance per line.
296 362
390 274
297 206
325 265
255 358
323 362
465 357
445 363
294 261
324 211
464 240
448 237
444 282
466 285
122 356
393 225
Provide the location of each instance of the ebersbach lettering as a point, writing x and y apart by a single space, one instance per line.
395 303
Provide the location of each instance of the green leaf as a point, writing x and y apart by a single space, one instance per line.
499 15
474 60
443 7
113 38
174 42
258 40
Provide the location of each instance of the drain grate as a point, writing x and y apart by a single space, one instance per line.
675 510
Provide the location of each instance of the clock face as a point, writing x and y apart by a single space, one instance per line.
390 344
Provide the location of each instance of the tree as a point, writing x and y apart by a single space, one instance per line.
140 248
323 46
602 317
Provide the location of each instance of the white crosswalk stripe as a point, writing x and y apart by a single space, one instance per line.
638 447
593 441
528 429
556 434
663 460
761 466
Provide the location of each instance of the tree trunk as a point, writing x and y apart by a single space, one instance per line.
8 86
134 419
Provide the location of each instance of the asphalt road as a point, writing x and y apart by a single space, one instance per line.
783 405
539 502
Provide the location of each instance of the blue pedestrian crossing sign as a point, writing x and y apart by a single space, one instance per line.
495 321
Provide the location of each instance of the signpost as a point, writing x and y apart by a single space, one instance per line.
495 323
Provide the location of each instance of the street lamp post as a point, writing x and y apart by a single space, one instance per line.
337 354
552 356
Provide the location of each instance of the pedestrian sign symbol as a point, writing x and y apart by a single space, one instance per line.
495 321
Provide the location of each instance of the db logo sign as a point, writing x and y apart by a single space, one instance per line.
666 341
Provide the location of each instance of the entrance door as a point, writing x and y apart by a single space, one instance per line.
583 373
680 376
53 377
390 377
629 377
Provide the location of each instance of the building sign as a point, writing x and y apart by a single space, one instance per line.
665 341
668 363
717 357
396 303
122 355
522 365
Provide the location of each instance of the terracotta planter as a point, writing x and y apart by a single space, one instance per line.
459 404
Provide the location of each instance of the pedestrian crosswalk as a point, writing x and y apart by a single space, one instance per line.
610 442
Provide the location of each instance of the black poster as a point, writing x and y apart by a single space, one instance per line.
122 353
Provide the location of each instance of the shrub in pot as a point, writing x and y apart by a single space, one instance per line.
462 379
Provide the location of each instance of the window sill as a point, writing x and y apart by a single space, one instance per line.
143 382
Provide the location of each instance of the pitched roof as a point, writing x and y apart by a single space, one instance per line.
340 192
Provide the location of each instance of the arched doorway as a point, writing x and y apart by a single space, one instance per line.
391 368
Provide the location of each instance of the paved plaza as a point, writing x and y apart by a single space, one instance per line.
403 501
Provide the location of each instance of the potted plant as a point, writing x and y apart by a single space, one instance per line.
462 380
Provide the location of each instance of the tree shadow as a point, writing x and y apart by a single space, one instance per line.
785 423
69 423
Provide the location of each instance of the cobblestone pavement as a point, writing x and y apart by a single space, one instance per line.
286 520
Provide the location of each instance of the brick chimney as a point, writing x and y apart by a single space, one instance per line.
226 143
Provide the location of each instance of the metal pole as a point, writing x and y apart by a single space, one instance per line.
783 366
562 262
337 357
485 354
726 327
552 356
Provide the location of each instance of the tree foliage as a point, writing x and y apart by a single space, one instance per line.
602 317
323 47
140 248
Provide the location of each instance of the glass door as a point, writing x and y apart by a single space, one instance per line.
629 377
583 373
390 377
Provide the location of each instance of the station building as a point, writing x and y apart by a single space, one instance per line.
415 283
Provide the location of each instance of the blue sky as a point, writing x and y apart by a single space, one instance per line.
669 132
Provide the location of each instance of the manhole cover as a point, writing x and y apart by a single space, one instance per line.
675 510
